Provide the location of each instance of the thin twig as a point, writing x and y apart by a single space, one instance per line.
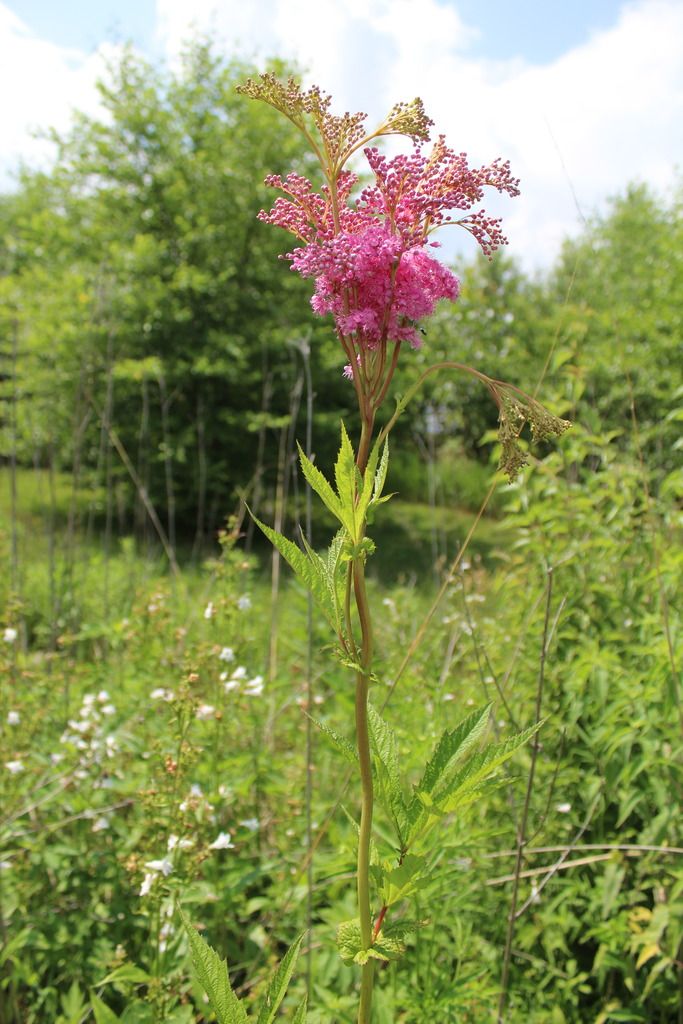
558 864
522 827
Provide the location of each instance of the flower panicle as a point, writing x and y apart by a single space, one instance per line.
409 119
514 410
370 255
338 134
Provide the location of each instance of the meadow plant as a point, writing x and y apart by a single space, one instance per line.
371 255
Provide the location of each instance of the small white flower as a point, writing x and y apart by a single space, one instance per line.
563 808
227 654
108 709
13 718
165 932
196 789
14 767
101 824
222 842
209 611
204 712
252 824
163 866
161 694
244 603
88 699
239 673
56 758
10 635
103 697
232 684
5 865
174 842
448 696
254 688
147 883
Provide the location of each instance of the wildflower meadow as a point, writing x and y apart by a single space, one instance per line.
340 668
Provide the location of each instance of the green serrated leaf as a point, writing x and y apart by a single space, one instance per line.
278 984
402 929
373 953
390 942
103 1015
319 484
452 746
381 476
456 791
346 479
300 1012
329 573
212 975
349 942
389 789
480 767
388 947
366 490
345 748
404 880
310 568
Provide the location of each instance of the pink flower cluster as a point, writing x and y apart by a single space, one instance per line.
369 257
374 288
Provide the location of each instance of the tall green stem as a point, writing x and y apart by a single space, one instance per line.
367 796
364 835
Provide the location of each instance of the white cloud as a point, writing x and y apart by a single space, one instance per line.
603 114
41 84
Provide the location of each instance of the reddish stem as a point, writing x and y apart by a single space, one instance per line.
379 922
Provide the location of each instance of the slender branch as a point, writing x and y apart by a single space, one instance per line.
367 795
522 827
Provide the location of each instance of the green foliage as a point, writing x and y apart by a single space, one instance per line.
139 285
212 974
103 1015
137 293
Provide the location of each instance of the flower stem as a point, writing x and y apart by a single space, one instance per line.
364 835
367 796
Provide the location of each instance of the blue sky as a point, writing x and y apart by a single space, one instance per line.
83 24
583 96
528 29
